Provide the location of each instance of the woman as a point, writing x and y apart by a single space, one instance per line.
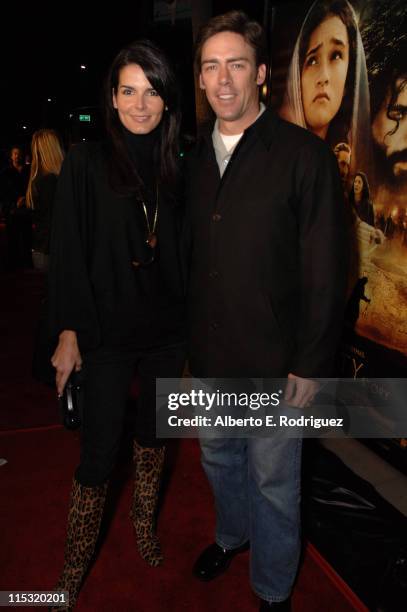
47 157
327 88
116 291
359 199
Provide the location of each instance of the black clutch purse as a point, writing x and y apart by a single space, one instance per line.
71 402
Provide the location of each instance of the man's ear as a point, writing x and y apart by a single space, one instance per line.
261 74
114 99
201 83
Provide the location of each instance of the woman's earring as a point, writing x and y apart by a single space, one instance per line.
166 107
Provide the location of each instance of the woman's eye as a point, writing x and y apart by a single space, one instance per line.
153 92
337 55
311 61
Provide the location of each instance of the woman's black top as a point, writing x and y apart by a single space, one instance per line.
94 288
43 198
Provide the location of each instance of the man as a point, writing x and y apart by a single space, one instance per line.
13 186
343 155
13 180
389 131
388 101
266 293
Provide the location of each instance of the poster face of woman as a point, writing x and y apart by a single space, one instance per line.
326 89
323 74
358 185
340 70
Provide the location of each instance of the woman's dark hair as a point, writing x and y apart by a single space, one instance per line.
155 65
239 23
341 123
365 190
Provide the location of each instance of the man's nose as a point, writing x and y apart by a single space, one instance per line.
224 75
400 135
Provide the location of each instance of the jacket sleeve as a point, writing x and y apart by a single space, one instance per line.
186 230
323 260
71 303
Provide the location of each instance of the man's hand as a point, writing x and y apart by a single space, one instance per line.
300 392
66 358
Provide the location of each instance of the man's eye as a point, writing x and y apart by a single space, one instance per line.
210 67
153 92
396 114
237 66
127 92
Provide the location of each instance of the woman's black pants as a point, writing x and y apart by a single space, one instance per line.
108 373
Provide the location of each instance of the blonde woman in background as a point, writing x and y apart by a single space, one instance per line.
47 157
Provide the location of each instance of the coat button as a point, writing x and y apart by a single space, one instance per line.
214 325
216 217
213 274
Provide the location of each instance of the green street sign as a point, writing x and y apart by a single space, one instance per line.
84 118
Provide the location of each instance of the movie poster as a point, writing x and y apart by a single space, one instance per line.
339 69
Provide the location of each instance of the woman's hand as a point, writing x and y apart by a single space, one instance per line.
66 358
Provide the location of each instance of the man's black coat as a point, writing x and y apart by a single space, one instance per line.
268 255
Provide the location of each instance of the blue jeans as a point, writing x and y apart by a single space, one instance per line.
256 483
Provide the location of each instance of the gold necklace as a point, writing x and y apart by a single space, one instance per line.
151 236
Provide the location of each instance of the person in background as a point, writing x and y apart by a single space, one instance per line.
343 154
389 131
13 186
385 42
47 157
116 292
359 199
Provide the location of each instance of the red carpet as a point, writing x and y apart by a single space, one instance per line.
23 402
35 489
34 493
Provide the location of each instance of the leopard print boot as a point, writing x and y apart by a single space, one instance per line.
148 464
84 518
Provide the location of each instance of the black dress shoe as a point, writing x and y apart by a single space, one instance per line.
278 606
215 560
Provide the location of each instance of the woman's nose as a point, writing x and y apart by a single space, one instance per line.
139 101
323 74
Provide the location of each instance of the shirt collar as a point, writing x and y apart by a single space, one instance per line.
216 137
264 127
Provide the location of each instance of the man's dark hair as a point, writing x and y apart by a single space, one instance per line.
159 73
239 23
343 146
385 42
394 90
